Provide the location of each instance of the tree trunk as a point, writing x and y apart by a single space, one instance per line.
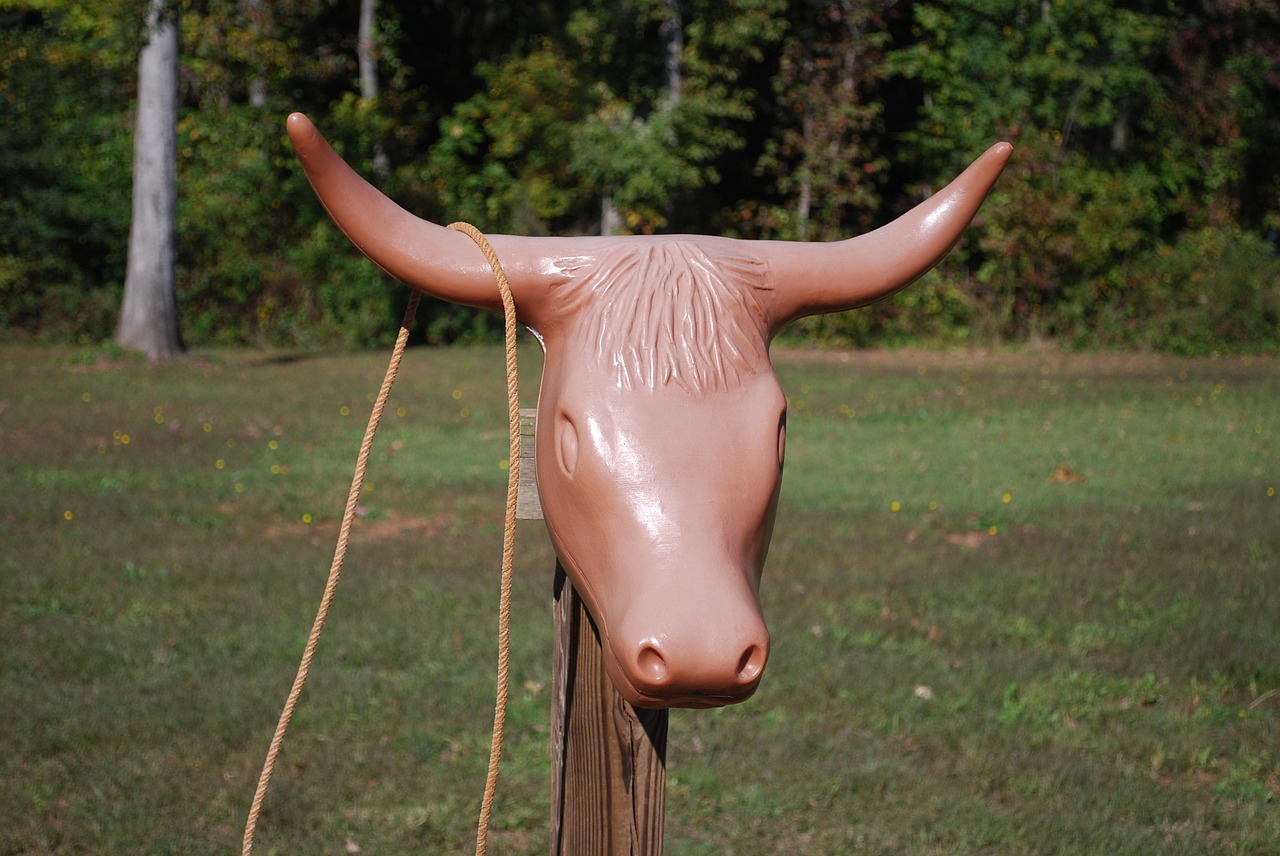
149 314
258 83
365 57
671 31
610 216
367 60
808 163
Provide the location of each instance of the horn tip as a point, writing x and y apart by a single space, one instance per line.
300 128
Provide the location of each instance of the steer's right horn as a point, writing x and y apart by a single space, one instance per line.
812 278
430 258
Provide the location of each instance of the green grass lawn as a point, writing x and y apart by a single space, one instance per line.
1020 603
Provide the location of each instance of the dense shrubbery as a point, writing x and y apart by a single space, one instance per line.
1134 213
1213 290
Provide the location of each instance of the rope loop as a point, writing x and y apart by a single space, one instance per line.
344 534
508 531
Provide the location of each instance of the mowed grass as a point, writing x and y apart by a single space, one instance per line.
1020 603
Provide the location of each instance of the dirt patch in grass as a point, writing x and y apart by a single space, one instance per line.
387 526
969 540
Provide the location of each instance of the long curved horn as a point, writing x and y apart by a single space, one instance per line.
430 258
812 278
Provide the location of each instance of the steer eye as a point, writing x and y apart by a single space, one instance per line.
567 444
782 437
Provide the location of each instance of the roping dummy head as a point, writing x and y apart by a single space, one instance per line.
661 426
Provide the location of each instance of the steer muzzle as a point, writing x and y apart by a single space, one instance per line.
711 667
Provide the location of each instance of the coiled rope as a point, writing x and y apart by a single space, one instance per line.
344 534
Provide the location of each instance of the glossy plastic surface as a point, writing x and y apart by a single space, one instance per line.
661 426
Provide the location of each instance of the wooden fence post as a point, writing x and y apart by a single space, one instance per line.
608 758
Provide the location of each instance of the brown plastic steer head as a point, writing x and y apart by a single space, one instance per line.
661 425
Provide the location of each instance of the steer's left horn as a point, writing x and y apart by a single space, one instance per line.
812 278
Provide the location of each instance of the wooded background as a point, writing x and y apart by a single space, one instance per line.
1140 210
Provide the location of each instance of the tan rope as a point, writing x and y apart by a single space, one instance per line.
344 532
335 570
509 531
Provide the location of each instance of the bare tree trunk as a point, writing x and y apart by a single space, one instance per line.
149 314
1120 131
367 59
610 216
258 83
368 62
672 34
804 202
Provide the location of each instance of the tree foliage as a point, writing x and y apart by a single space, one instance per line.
1140 209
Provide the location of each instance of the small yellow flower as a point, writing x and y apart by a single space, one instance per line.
991 530
1007 498
306 518
895 506
344 411
67 515
219 464
273 445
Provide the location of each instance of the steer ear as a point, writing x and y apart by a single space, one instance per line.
439 261
812 278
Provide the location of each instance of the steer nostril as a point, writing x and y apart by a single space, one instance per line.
751 664
652 665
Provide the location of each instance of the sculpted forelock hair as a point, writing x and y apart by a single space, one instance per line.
667 311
